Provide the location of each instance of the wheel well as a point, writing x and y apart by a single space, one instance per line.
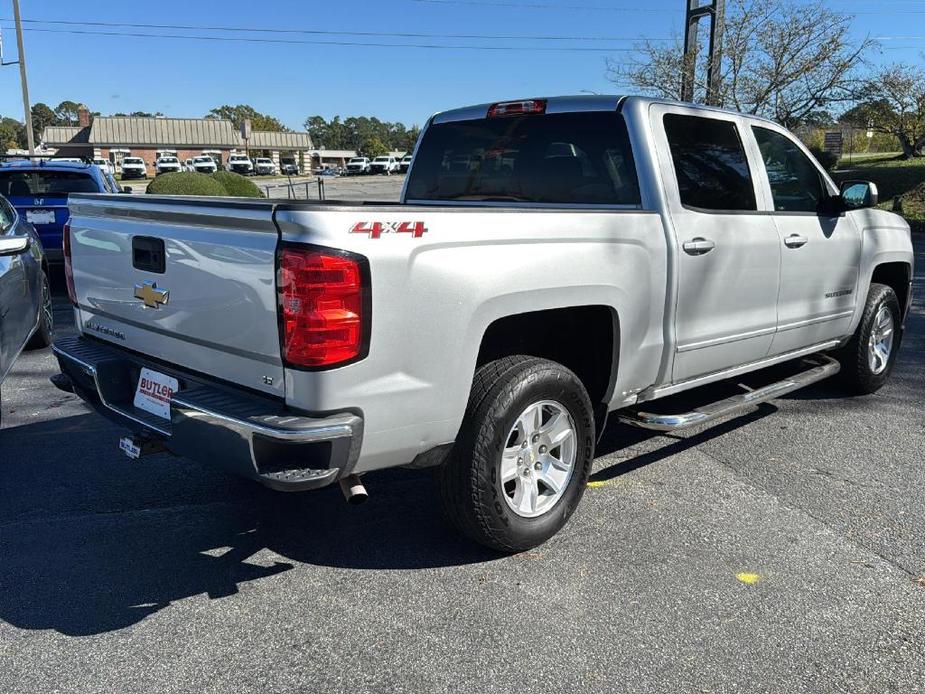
581 338
895 276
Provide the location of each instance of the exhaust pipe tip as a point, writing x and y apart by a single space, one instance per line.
353 490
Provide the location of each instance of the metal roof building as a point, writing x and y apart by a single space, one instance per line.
114 137
176 132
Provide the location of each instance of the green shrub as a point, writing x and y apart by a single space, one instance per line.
186 183
827 159
237 185
913 208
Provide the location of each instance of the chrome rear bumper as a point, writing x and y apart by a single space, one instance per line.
242 432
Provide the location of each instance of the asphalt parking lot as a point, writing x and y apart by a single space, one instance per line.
781 551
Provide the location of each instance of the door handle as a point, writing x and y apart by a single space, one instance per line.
795 241
698 246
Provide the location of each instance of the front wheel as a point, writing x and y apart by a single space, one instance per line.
44 332
867 360
523 455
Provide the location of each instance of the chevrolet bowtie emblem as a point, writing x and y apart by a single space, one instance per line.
151 295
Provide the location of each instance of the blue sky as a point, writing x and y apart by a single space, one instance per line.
291 81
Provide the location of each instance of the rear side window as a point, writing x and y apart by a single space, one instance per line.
562 158
796 184
710 163
36 183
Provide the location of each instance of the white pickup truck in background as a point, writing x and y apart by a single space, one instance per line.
384 165
551 261
134 167
241 164
264 166
358 166
167 164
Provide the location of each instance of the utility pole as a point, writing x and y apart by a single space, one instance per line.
694 12
22 77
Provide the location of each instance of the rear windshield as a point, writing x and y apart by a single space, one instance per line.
33 183
558 158
132 160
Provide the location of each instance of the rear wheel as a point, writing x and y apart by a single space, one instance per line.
521 462
867 360
44 333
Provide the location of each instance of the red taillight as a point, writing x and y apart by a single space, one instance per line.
517 108
321 307
68 269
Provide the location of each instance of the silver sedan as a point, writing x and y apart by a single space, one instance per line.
25 295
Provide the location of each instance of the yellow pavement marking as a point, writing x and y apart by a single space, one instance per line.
748 578
594 484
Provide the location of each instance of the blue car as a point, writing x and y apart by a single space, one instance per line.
38 189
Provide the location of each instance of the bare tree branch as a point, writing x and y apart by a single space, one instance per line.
783 59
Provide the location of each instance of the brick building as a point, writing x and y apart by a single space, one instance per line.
117 137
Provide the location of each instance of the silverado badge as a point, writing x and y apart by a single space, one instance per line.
151 295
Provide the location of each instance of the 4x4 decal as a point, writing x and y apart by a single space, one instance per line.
376 229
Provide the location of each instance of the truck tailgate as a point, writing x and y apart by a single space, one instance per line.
208 306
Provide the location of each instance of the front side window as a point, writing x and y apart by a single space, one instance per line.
710 163
560 158
796 184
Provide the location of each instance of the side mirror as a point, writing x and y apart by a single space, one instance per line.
14 245
857 195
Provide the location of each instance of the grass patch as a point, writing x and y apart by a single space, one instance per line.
914 208
902 178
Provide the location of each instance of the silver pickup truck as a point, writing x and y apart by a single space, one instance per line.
550 261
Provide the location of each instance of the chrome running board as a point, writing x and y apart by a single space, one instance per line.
822 367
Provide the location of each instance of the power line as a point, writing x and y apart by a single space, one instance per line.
328 32
370 44
360 44
607 8
548 6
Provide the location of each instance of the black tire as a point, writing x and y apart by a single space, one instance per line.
469 482
44 333
857 374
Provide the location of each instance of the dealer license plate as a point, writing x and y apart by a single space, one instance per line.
154 392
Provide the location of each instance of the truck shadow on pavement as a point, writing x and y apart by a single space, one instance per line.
91 542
